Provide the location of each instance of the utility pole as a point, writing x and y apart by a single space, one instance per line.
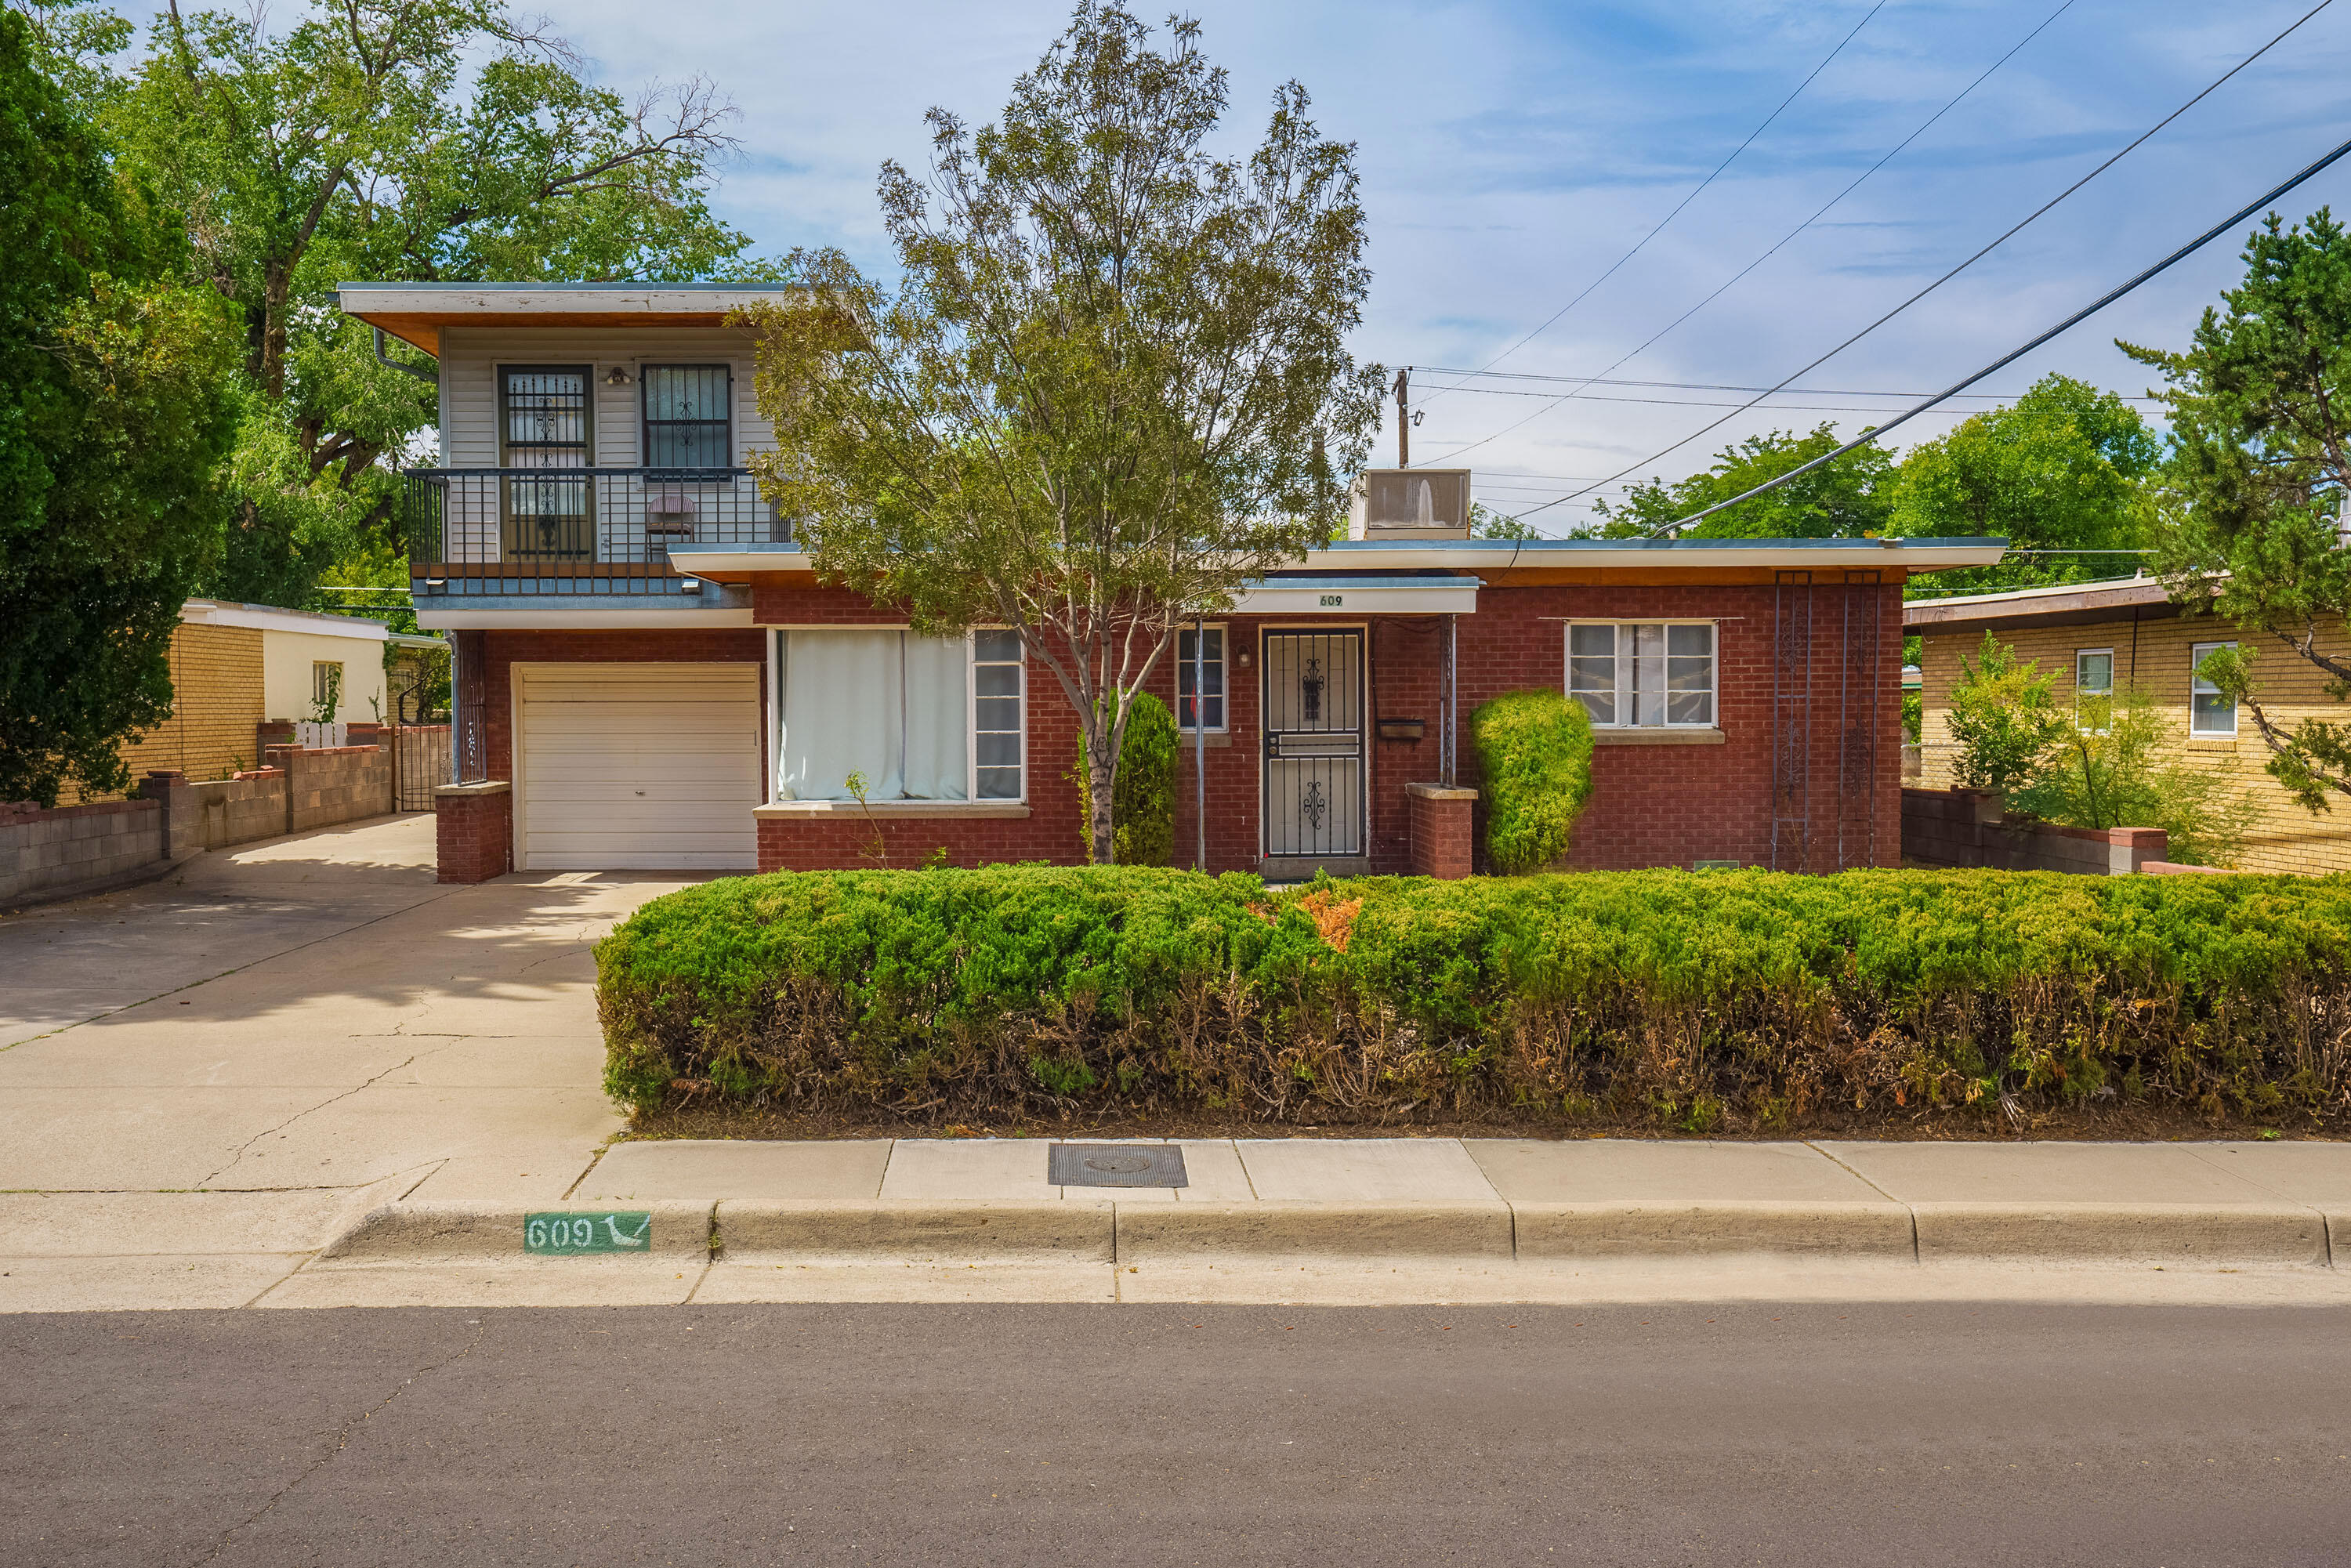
1404 417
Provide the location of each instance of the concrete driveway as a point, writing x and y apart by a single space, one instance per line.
233 1059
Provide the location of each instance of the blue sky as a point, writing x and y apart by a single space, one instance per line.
1510 151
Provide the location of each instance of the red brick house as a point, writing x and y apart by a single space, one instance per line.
649 676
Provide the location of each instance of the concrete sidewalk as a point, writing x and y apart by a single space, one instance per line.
1403 1219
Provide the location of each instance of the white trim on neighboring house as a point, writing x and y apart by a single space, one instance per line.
566 619
270 618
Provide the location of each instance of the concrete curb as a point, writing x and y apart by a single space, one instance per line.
2122 1232
1182 1232
1047 1230
1556 1231
1104 1231
481 1230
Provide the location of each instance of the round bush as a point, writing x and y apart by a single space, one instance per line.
1535 748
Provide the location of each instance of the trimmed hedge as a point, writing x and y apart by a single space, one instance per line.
1534 760
1692 999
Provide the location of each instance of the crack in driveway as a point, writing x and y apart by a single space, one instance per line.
297 1115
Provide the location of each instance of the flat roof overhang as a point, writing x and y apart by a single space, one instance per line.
415 313
1494 563
2067 604
546 614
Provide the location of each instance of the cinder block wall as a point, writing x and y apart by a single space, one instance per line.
41 851
2155 656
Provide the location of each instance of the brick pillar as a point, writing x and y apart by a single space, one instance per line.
1441 836
473 828
2128 849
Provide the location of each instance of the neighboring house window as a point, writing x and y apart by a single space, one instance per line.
1642 674
1209 667
2209 711
2094 688
915 718
686 416
326 688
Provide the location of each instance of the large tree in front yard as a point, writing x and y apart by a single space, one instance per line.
2249 521
1113 385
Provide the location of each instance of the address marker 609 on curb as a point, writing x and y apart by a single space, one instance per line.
573 1235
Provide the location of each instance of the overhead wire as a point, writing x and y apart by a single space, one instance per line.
2199 243
1855 185
2001 239
1695 192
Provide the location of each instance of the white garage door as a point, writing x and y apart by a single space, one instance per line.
637 766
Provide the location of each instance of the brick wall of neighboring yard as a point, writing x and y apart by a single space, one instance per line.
2155 654
1964 828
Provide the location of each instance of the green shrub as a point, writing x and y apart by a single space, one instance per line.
1142 813
1534 753
2004 718
2112 769
1738 999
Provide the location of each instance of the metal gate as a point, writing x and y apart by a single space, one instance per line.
1313 744
420 762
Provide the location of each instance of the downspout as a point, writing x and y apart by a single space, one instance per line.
1200 735
419 371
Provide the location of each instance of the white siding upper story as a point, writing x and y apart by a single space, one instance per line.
471 358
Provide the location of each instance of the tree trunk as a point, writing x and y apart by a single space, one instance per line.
1101 780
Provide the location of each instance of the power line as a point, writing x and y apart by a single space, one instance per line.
1853 185
2199 243
1724 386
2011 232
1688 403
1695 192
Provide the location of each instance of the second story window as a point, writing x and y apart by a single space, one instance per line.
543 416
686 416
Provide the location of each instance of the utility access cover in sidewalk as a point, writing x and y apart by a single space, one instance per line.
1115 1164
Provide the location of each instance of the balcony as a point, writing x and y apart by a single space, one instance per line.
581 516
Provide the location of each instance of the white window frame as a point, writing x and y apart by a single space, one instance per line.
2081 690
775 706
971 717
1224 662
1623 704
2198 686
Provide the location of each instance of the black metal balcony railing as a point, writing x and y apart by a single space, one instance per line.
551 516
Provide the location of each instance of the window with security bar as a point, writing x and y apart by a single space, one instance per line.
1200 657
687 411
1644 675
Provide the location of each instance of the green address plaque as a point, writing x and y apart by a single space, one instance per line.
576 1234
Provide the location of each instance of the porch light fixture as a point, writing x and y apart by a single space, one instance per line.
437 583
618 376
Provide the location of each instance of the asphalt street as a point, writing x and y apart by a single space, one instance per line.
1818 1435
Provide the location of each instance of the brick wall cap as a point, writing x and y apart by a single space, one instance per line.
460 791
1439 792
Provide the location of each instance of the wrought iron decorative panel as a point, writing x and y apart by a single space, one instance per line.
1313 744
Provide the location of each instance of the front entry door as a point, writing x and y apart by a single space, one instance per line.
1314 744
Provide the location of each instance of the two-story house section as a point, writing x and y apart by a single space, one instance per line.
648 674
611 704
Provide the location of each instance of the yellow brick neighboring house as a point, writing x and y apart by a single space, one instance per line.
2126 633
236 666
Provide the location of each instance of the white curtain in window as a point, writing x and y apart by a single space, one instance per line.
884 704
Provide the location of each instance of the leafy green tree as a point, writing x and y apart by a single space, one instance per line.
2248 523
2004 718
2060 470
2111 770
1114 385
1843 499
113 419
424 140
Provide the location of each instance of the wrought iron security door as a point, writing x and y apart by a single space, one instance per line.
1314 744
